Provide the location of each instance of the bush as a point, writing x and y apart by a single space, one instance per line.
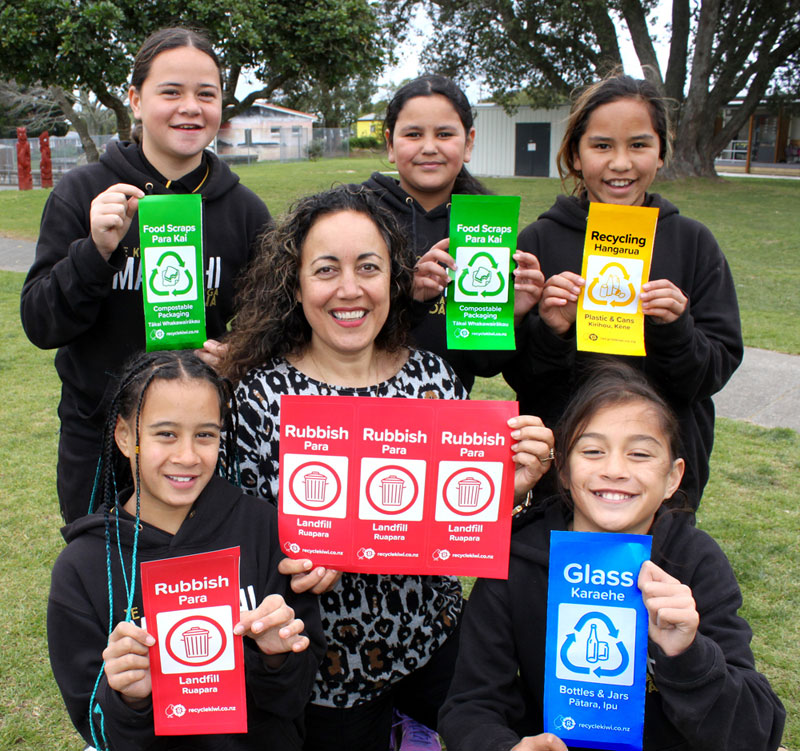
366 142
315 150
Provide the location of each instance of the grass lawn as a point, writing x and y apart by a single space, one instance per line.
754 220
750 505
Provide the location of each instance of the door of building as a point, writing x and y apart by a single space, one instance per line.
532 157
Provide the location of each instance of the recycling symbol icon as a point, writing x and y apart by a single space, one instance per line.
170 277
171 274
482 275
595 644
613 287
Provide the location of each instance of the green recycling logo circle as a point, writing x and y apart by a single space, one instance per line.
171 274
483 275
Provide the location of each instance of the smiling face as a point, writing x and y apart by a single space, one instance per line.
179 436
344 285
620 470
618 154
429 145
180 107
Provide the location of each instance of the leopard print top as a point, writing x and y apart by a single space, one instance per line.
379 628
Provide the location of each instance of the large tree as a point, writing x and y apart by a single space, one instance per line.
91 44
336 105
718 50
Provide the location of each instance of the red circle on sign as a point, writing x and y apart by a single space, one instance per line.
305 504
196 618
388 467
455 474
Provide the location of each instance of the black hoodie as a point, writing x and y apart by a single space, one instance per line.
77 620
710 698
90 309
688 360
426 228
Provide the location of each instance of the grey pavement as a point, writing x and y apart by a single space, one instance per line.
765 390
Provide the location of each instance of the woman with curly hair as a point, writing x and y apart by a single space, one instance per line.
324 310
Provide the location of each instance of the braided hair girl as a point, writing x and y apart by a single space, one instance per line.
173 422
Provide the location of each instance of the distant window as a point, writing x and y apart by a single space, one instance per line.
295 128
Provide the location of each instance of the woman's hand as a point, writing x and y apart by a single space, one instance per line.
663 301
528 284
533 451
212 353
558 307
127 663
273 627
543 742
111 214
430 274
673 615
304 579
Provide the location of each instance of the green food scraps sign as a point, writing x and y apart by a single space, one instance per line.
171 239
480 305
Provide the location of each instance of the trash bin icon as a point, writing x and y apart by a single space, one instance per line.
392 490
315 483
195 642
468 490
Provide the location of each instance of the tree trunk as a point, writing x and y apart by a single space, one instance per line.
77 122
689 160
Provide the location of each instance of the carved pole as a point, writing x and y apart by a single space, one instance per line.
24 160
45 163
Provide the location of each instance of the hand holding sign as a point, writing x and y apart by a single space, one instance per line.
542 742
559 303
127 662
528 283
532 458
111 214
663 301
430 273
671 607
273 627
318 581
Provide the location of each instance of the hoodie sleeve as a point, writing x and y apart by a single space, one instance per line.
712 692
76 638
484 696
693 357
69 279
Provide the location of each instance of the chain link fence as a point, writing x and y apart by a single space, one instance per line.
285 146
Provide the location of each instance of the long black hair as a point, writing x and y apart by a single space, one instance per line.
433 85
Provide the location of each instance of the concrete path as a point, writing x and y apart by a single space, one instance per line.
765 390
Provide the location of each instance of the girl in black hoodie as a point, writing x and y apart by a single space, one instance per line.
429 136
83 293
166 423
617 137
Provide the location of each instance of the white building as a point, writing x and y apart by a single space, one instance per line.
522 144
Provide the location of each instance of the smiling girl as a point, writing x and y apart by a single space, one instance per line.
166 423
429 138
83 293
618 463
617 137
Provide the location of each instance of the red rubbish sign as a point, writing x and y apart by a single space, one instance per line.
397 486
197 665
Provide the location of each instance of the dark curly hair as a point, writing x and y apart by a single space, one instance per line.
610 89
269 320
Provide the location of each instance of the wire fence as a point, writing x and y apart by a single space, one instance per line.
285 145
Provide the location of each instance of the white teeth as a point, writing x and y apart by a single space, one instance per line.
175 478
613 496
619 183
348 315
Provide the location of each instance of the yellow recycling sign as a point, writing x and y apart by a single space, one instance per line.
617 253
